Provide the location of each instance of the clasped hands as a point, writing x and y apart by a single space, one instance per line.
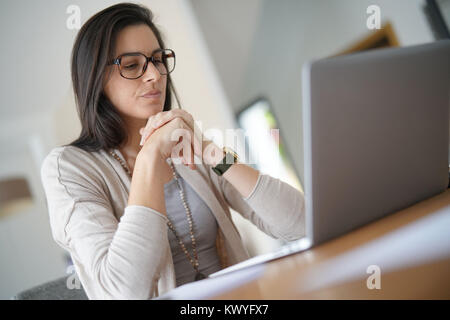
175 134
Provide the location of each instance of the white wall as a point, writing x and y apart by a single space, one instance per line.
230 28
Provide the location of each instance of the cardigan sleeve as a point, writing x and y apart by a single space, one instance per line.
274 206
119 259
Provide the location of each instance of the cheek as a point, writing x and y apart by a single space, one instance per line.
121 94
165 92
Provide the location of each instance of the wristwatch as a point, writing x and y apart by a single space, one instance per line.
228 160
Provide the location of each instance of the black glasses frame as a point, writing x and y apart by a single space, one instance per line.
117 61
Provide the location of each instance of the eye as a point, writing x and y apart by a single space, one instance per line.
130 66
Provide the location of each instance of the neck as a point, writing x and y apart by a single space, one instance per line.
131 147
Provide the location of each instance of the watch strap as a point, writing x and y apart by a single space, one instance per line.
228 160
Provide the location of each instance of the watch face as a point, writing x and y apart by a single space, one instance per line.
234 154
231 151
230 158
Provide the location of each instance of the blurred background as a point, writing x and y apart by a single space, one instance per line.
238 66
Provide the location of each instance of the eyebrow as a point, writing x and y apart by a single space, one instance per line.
136 52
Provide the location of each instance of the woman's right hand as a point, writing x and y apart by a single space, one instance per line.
171 139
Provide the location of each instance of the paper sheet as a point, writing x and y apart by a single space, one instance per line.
210 287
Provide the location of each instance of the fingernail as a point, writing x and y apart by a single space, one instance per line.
142 140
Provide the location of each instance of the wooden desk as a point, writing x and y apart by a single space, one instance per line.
411 248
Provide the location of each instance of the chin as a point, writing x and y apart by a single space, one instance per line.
151 106
149 111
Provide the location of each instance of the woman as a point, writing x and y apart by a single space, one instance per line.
124 211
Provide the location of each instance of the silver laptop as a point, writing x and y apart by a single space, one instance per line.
376 139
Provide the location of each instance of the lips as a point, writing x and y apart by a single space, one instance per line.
152 94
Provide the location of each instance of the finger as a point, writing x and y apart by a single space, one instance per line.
153 123
196 147
147 130
189 155
163 117
156 121
194 140
186 149
184 156
188 145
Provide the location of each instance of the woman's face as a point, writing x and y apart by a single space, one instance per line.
126 94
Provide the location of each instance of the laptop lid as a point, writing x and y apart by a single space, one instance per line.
376 134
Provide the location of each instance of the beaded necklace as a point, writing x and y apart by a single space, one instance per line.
194 262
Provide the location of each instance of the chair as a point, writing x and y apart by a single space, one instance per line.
52 290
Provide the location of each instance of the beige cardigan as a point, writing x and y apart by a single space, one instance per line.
123 252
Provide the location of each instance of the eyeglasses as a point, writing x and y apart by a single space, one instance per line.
133 65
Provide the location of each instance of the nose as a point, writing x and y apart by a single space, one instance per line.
151 73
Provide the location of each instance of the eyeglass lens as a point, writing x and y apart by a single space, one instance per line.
132 66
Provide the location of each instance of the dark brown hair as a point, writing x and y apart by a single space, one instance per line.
101 125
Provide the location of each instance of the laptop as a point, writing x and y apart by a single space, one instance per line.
375 139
